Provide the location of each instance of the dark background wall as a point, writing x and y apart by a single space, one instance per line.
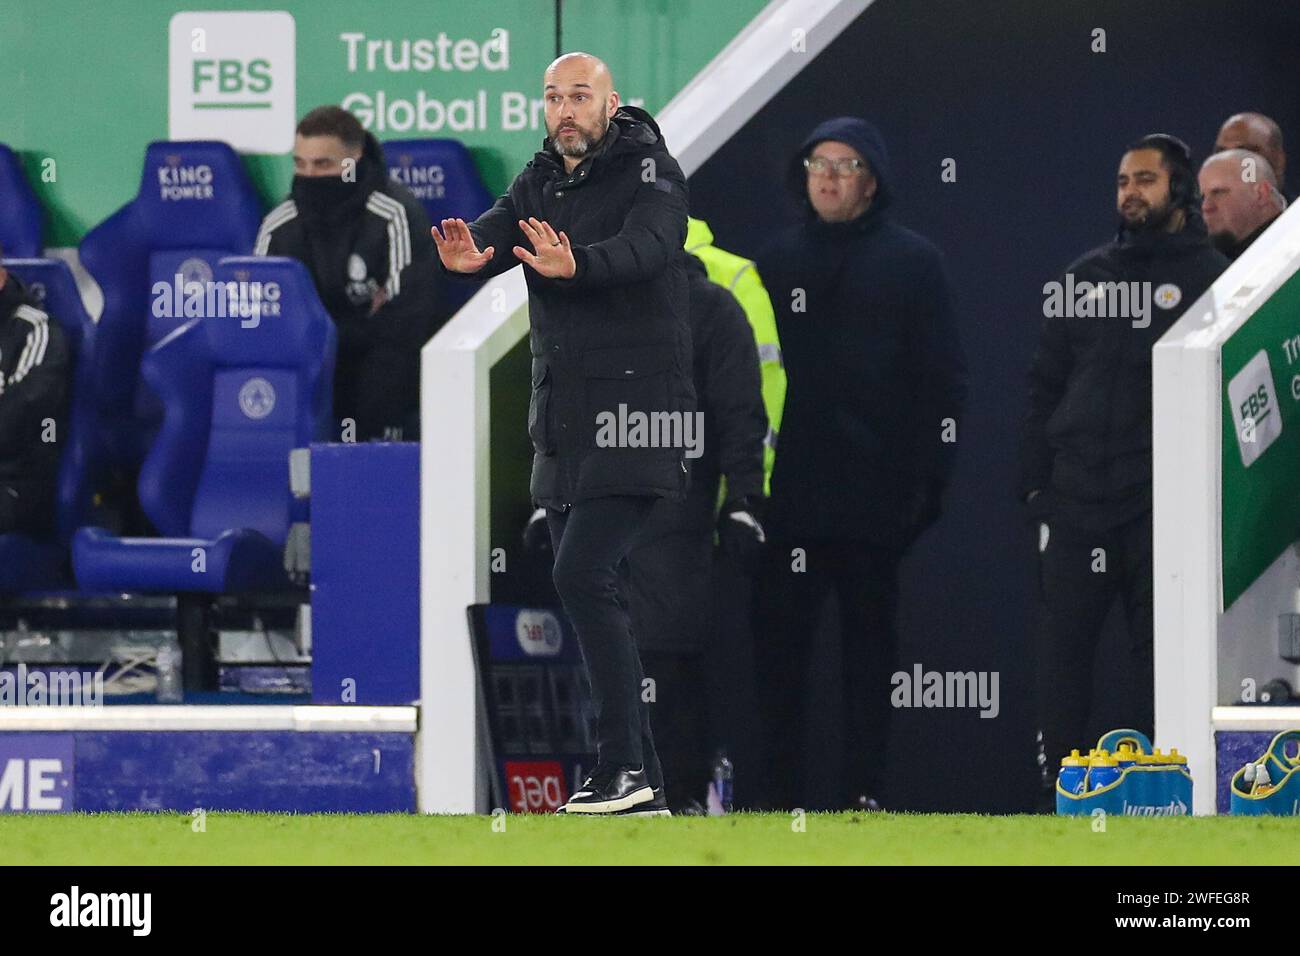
1036 123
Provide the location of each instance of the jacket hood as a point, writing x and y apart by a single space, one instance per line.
862 136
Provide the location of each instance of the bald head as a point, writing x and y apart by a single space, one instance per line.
1257 133
579 68
580 102
1239 194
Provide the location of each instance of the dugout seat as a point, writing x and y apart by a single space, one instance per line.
239 393
30 563
442 175
20 210
195 205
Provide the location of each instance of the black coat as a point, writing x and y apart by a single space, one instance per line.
1086 440
874 370
615 334
34 371
729 389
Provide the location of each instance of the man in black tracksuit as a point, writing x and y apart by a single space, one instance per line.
667 574
1087 436
34 370
365 241
876 384
598 217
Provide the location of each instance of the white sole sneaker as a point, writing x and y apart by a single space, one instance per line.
644 795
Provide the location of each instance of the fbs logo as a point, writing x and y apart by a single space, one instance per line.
231 76
1255 412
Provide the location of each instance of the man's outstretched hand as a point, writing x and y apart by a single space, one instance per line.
554 256
456 247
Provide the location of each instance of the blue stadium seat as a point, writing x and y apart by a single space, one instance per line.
442 175
195 205
28 563
20 211
238 394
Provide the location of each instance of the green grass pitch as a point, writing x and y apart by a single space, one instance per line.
743 838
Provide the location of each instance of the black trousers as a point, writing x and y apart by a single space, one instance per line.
790 603
1082 573
590 540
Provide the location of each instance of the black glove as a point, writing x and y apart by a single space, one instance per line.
740 536
537 533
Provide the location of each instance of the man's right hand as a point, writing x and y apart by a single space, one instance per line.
456 247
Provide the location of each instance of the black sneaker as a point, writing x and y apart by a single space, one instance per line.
658 807
611 789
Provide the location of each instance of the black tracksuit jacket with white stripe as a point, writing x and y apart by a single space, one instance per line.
356 239
34 372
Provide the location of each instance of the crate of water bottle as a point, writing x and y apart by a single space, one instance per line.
1270 785
1125 775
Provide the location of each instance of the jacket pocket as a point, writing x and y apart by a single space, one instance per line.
629 400
539 406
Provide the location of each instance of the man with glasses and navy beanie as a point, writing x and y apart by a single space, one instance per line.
875 386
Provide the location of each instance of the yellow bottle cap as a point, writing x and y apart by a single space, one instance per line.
1103 758
1074 760
1175 757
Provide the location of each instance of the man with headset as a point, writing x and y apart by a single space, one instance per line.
1086 441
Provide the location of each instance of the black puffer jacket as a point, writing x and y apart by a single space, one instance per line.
617 332
1086 441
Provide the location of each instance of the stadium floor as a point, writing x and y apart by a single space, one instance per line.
744 838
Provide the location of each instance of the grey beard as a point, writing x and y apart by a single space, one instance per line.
579 148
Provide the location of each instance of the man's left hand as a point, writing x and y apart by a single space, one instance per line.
740 536
554 256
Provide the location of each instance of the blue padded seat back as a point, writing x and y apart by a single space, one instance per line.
441 174
195 203
20 210
240 392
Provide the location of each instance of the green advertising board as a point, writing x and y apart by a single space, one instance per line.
90 84
1261 439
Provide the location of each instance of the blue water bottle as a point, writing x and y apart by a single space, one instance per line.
1074 772
1103 770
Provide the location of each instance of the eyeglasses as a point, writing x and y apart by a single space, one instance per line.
817 166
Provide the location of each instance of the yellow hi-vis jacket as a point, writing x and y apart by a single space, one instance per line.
740 277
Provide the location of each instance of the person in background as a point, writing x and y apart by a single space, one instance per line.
876 385
1086 444
1259 134
1240 199
365 240
34 372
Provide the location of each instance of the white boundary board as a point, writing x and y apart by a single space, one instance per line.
1187 416
455 403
